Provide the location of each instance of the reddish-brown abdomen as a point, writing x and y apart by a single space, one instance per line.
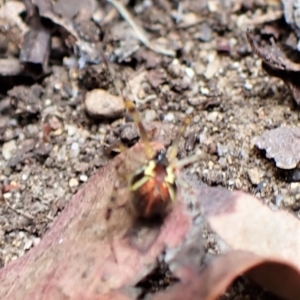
152 199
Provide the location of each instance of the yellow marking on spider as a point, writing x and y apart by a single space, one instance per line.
138 184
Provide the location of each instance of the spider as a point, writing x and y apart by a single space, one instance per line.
154 184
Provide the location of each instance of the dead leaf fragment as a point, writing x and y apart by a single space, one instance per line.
88 52
156 77
275 275
243 222
276 63
282 144
67 264
74 260
35 50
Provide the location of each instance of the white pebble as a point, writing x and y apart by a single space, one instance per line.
83 178
28 244
8 149
75 150
248 86
25 176
48 102
7 195
73 182
36 241
150 115
169 117
61 155
71 130
189 72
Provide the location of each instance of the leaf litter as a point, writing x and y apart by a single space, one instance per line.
280 143
276 63
74 259
79 260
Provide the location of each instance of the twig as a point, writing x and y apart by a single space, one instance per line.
18 211
138 30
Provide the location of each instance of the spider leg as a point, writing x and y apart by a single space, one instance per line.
122 180
131 109
172 153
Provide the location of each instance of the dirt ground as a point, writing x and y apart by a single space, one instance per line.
215 76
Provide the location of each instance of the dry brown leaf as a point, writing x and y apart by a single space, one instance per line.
276 63
74 259
87 50
276 275
245 223
36 45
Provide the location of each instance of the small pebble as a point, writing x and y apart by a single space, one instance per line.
295 186
83 178
8 149
98 16
279 200
129 133
7 195
254 176
141 94
61 155
213 116
222 150
169 117
101 104
204 91
73 182
75 150
7 171
210 165
175 68
81 167
213 66
288 201
189 72
57 86
71 130
48 102
213 6
25 175
230 182
150 115
36 241
248 86
205 32
28 244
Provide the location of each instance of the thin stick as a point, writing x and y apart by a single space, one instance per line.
131 109
18 211
138 30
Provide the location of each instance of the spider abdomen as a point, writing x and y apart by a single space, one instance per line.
153 190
